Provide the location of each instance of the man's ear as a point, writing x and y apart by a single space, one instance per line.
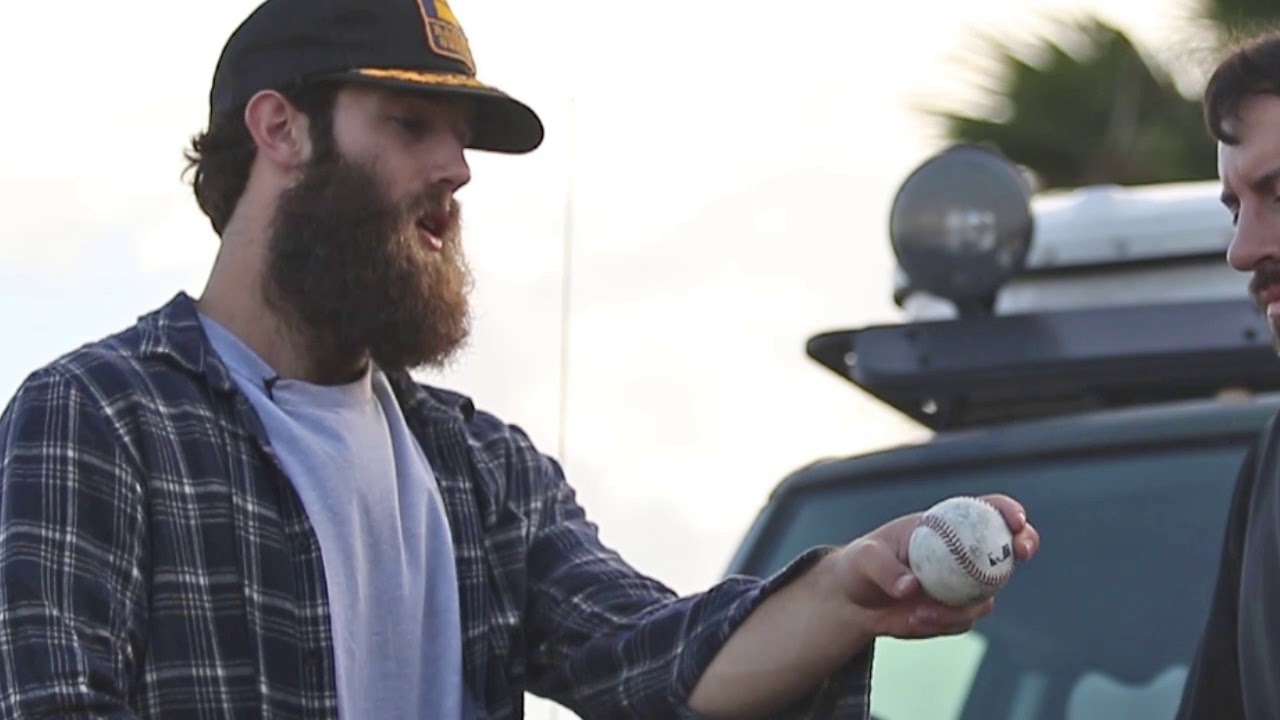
280 130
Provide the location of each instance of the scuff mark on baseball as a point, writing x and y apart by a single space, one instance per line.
962 551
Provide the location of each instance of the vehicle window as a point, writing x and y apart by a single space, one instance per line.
948 666
1102 624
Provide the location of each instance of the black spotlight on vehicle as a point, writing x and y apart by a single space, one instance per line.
961 226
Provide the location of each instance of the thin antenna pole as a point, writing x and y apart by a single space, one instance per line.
566 299
566 283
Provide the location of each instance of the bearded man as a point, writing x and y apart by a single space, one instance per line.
243 506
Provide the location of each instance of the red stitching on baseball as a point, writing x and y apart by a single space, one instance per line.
959 552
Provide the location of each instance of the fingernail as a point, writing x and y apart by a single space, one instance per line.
1026 546
902 585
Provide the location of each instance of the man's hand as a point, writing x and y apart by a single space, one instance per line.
875 577
835 610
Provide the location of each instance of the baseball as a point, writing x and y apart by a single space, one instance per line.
962 551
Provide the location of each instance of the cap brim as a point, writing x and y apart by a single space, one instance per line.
503 124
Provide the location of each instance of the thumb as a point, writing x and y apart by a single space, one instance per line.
878 574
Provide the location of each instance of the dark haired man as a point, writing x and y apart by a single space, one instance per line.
243 506
1236 671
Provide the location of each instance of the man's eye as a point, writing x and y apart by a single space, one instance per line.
412 126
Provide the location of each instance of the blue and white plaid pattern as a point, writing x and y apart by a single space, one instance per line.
156 563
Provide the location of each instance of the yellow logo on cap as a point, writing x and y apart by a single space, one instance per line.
445 13
444 32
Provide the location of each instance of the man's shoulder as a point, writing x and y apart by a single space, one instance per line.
128 366
495 439
482 425
108 365
1262 450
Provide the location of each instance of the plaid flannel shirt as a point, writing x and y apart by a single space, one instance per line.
156 562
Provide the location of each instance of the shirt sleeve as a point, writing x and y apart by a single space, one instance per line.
71 556
609 642
1212 690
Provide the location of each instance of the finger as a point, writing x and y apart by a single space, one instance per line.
936 614
1015 516
920 629
896 534
878 564
1027 542
949 621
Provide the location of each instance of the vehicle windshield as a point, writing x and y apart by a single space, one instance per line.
1100 625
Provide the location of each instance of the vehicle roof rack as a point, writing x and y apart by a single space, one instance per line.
951 374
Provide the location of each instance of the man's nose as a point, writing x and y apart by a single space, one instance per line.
1256 242
447 163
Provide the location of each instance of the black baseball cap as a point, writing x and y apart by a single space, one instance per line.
414 45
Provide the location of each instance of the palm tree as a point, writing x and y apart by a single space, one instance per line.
1099 113
1235 17
1103 113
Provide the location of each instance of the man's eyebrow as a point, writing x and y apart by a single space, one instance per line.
1266 182
1263 184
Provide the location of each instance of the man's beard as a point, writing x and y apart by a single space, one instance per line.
350 277
1266 277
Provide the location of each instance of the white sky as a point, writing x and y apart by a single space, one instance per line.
733 165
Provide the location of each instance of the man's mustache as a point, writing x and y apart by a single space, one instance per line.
1264 277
